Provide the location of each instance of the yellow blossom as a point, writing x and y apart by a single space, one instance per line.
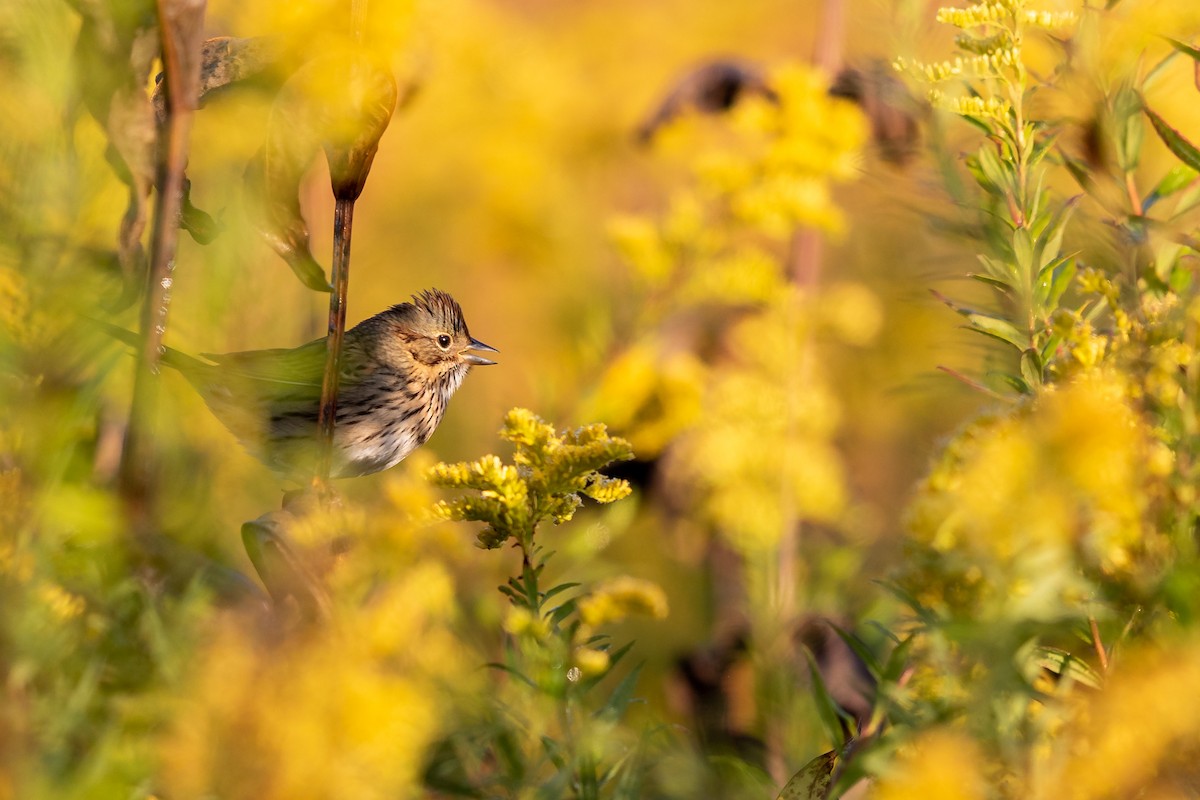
1130 738
616 599
940 764
61 603
591 662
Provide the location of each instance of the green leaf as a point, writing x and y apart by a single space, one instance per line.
1022 245
1042 145
1184 150
508 750
998 285
1063 663
993 168
813 780
562 587
906 597
1127 121
621 697
1002 271
1178 177
1062 277
1031 367
1186 49
1049 348
554 752
1189 198
1080 172
834 718
1053 281
1157 71
562 612
897 661
998 329
1015 383
512 671
860 649
1050 240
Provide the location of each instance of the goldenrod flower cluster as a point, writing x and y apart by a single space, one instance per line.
780 179
549 473
765 455
652 392
621 597
345 710
1139 736
991 39
1022 509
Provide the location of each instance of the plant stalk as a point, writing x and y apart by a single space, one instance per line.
179 26
343 221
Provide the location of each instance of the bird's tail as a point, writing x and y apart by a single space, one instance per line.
170 356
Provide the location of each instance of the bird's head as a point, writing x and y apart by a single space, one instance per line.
430 336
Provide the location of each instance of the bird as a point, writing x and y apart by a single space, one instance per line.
398 371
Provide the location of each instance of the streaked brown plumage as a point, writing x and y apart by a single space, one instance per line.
399 369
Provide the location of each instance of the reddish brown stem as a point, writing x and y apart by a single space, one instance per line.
804 269
343 221
827 51
1135 202
1098 643
180 24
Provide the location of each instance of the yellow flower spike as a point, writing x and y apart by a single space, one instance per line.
852 311
63 604
642 247
518 620
616 599
397 613
591 662
1082 456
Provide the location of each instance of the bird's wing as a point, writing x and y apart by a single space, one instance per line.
296 370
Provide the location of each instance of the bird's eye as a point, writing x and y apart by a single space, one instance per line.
443 341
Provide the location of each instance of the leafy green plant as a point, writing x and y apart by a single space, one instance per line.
1045 544
1022 258
554 651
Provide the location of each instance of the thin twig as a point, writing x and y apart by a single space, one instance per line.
804 269
974 384
1135 202
1101 653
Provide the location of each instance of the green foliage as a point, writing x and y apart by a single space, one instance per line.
1044 549
1023 261
553 649
731 298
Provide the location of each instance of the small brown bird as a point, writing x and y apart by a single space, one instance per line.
399 369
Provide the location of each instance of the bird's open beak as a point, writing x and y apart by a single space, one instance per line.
479 361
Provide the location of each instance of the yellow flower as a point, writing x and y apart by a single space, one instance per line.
1031 498
938 765
616 599
1132 736
348 709
62 603
591 662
